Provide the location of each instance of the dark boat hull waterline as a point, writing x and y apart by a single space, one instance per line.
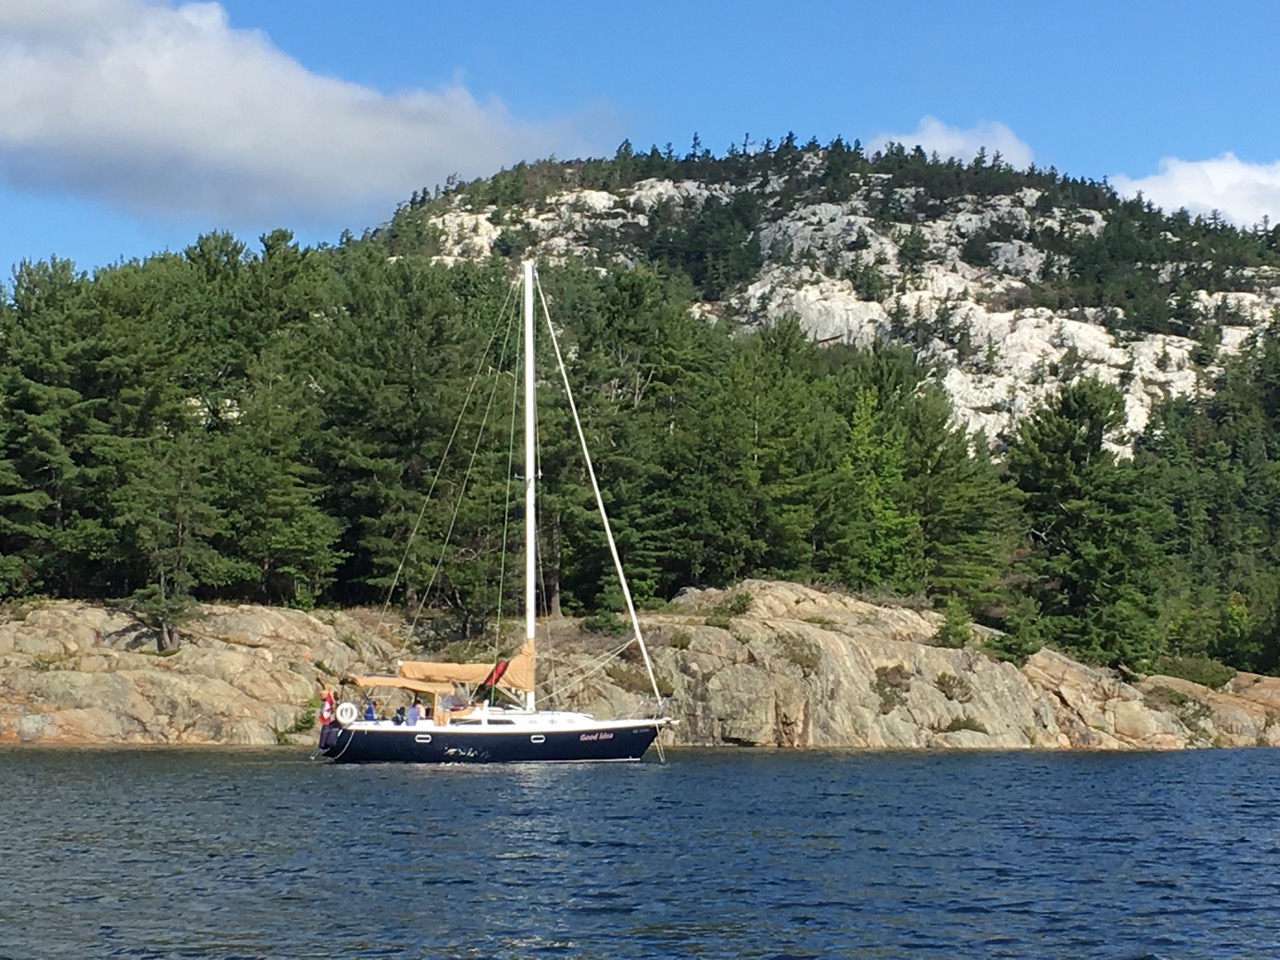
443 745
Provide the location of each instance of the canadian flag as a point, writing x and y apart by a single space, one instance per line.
326 708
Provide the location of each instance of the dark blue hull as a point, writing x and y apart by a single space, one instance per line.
442 745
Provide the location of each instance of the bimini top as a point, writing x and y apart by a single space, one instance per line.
401 683
514 674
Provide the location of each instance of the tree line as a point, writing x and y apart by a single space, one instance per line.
266 426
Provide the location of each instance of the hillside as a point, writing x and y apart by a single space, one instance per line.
1008 283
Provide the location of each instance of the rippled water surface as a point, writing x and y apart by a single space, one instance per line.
109 853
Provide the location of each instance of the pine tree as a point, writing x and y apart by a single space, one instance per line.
968 514
1094 566
50 525
164 510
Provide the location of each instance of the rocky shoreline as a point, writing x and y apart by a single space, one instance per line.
796 668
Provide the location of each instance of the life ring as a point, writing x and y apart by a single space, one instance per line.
347 713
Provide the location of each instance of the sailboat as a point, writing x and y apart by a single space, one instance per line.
453 726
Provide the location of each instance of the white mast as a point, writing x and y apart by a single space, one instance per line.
530 471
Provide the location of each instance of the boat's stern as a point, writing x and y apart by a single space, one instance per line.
329 734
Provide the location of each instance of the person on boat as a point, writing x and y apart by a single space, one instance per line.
371 709
326 708
399 717
415 712
451 702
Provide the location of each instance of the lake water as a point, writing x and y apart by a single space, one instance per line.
162 853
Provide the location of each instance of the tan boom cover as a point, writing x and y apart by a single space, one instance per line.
401 683
518 676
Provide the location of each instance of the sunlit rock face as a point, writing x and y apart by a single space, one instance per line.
799 668
998 359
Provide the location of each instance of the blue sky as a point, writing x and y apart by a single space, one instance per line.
132 126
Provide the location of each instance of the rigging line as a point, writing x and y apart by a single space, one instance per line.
583 672
595 486
592 666
543 544
537 519
506 518
466 482
457 425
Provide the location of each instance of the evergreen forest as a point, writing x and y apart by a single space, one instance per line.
303 426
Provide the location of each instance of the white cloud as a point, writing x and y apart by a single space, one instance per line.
932 135
1243 192
164 110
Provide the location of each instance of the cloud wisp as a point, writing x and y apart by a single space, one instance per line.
962 143
159 111
1241 192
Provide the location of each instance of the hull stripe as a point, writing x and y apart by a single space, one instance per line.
354 745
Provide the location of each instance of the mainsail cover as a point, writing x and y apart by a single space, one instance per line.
519 674
401 683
